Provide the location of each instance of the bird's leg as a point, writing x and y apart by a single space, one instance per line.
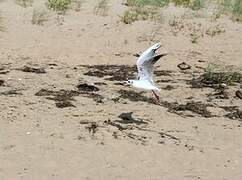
156 96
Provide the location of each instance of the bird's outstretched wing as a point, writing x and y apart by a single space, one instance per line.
146 61
146 69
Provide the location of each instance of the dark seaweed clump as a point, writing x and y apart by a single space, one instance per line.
1 82
3 71
87 88
127 118
195 107
63 98
237 114
173 107
32 70
116 72
233 112
134 96
89 91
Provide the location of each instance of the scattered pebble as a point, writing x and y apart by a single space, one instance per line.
1 82
238 93
184 66
136 55
126 116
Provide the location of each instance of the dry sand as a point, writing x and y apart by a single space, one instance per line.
51 129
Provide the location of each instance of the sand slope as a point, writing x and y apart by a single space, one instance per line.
62 93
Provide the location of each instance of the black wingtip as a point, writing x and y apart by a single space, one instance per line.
156 58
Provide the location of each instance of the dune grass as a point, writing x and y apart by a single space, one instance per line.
101 8
142 10
140 3
140 13
149 9
237 7
129 17
76 5
193 4
196 4
138 8
39 16
218 74
24 3
231 8
60 6
237 10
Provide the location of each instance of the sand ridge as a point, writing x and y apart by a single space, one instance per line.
66 111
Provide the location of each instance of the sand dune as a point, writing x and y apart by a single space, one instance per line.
66 112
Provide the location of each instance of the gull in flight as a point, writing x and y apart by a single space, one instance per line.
145 66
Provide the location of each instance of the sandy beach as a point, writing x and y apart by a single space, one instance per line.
67 113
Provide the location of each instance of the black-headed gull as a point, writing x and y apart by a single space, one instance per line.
145 65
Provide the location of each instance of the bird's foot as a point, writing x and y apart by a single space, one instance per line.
157 98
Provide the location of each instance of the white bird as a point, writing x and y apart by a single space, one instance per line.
145 66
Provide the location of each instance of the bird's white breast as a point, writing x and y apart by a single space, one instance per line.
146 85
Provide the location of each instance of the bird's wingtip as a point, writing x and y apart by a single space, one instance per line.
156 45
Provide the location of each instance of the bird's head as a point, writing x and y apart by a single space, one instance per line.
130 82
150 51
155 47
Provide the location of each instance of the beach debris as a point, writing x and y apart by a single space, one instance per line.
126 116
33 70
87 88
62 97
237 114
128 119
11 92
183 66
1 82
238 93
92 127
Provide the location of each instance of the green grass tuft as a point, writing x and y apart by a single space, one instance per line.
181 2
237 10
60 6
216 74
196 4
140 13
140 3
230 7
237 7
193 4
